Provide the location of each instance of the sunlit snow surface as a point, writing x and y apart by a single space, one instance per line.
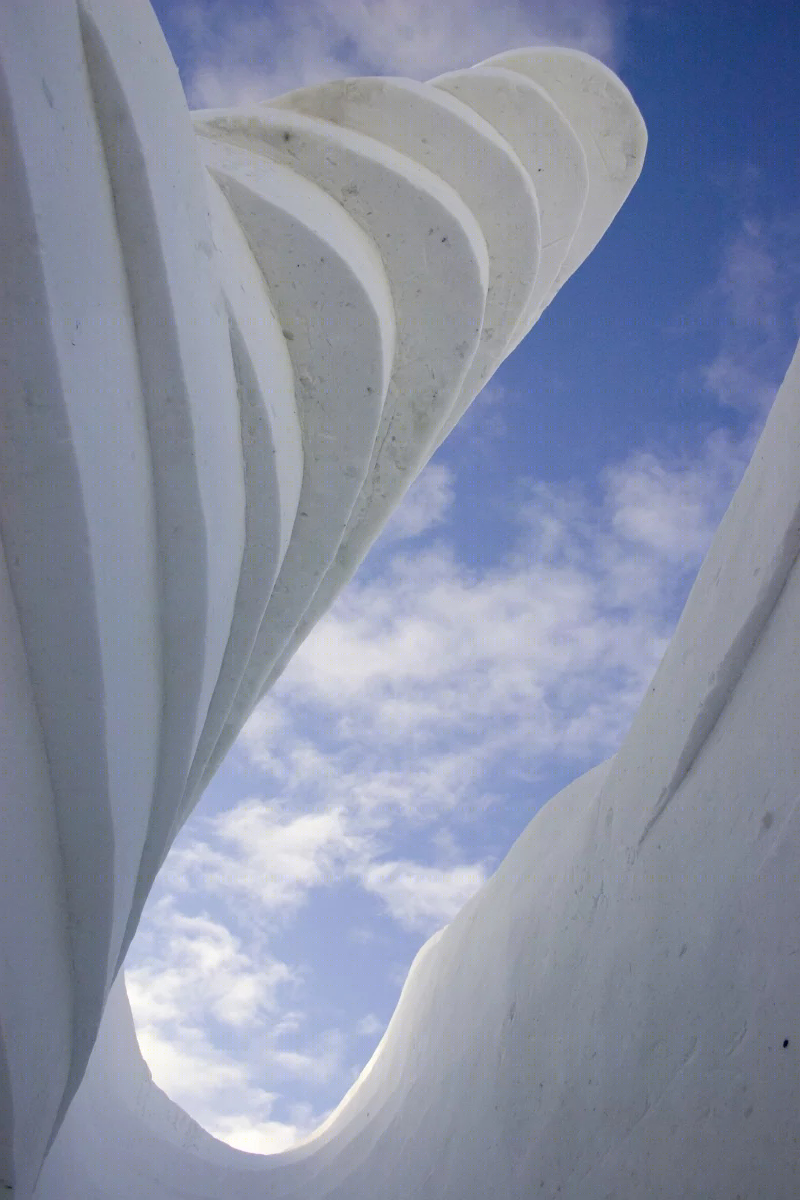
220 384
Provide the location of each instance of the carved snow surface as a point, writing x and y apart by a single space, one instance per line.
226 351
229 343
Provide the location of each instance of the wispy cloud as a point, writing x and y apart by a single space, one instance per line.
206 1006
484 420
425 506
264 862
370 1025
419 897
320 1063
252 52
192 957
245 1132
194 976
757 291
258 852
460 669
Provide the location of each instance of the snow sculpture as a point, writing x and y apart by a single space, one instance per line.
219 375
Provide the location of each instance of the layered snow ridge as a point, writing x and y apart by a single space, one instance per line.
230 342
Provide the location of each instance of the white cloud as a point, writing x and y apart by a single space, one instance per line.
484 419
672 509
197 964
425 505
257 850
756 289
318 1063
271 862
423 898
369 1026
543 655
183 1062
202 998
750 278
260 1137
254 53
262 733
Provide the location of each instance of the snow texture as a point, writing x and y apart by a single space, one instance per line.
230 342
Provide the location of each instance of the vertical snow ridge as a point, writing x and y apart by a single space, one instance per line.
527 116
449 138
45 537
605 120
273 464
189 388
180 527
436 260
332 298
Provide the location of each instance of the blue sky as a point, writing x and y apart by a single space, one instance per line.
499 636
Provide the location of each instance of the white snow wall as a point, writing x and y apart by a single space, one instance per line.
229 344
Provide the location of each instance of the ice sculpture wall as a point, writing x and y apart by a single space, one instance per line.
228 346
